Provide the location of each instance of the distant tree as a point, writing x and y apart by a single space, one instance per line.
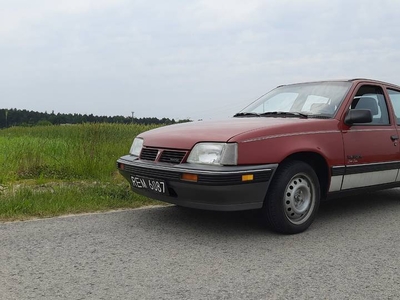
44 123
17 117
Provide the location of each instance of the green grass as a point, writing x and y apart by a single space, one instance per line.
87 151
53 170
26 202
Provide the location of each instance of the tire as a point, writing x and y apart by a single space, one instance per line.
293 198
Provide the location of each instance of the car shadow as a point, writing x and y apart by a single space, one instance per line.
359 204
331 214
218 222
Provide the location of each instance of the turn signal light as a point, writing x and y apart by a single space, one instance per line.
189 177
247 177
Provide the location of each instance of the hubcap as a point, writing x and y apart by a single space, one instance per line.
299 199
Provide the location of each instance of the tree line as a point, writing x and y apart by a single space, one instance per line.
18 117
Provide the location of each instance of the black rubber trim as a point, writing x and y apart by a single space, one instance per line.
372 168
207 175
337 171
209 179
367 168
235 178
152 173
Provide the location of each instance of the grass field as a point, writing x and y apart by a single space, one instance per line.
53 170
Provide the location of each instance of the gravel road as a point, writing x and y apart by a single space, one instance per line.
352 251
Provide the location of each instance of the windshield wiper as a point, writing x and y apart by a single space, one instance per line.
246 114
320 116
284 114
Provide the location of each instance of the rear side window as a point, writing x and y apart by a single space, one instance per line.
395 99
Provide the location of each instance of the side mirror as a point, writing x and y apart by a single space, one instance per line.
358 116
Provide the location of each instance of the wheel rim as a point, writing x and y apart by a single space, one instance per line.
299 199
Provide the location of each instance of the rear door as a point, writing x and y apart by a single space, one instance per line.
371 150
394 97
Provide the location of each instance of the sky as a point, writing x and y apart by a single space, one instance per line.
197 59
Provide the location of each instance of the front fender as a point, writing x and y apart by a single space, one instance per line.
275 148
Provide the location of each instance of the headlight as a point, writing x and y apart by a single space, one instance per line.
136 147
214 154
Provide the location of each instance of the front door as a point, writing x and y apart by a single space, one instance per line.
371 150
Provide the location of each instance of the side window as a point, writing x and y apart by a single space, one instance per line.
371 97
395 99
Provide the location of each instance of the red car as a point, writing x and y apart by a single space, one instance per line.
284 153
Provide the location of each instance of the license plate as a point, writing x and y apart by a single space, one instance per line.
150 184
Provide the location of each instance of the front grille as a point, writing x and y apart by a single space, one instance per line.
167 156
174 157
149 154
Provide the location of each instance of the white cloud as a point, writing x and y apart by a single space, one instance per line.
185 58
20 14
210 14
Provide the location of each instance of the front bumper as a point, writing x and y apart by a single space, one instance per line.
217 187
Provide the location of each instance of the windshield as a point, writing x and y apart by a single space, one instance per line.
317 99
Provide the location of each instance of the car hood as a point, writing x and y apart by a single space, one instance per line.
186 135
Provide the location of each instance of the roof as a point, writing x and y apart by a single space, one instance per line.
351 80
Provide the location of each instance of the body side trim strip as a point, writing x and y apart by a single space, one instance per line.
373 167
289 134
338 170
364 168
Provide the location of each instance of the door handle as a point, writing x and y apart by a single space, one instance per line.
394 138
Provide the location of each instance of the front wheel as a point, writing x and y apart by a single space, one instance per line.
293 198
